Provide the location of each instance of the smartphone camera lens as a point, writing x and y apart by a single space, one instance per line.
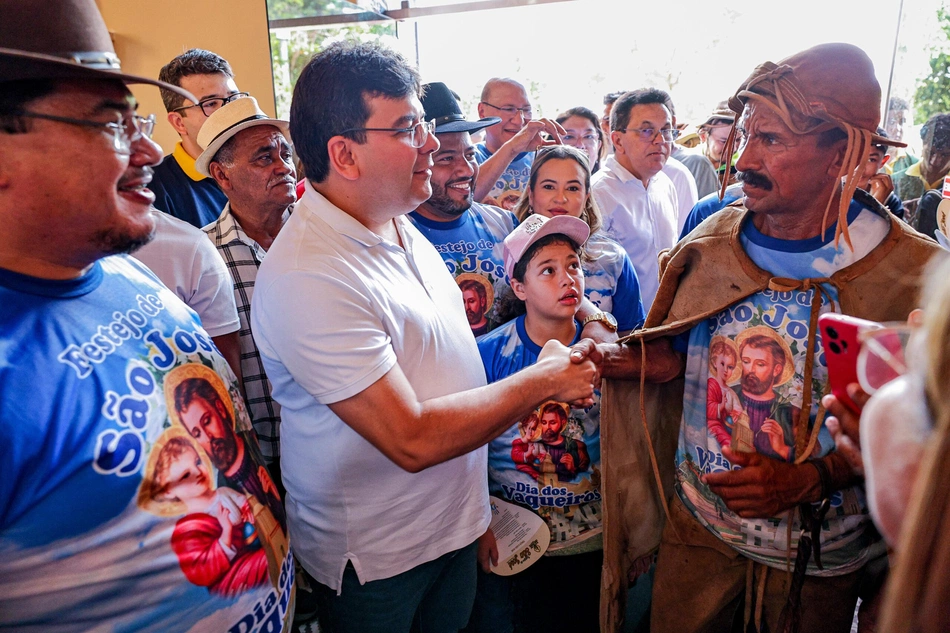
834 347
832 333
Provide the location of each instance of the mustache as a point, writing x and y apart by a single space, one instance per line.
133 174
755 179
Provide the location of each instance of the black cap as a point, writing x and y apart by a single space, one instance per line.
441 106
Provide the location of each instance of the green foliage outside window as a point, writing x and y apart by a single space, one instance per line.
933 91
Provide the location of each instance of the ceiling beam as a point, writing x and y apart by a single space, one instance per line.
405 12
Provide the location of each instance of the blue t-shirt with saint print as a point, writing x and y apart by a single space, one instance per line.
744 389
472 247
550 460
507 190
114 513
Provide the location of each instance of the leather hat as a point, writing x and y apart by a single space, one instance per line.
832 84
61 39
441 105
227 121
824 87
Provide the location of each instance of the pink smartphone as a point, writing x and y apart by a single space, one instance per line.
841 341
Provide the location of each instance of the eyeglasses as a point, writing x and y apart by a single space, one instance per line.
208 106
586 139
647 134
126 129
418 133
510 110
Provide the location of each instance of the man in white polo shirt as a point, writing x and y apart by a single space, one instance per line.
362 331
638 200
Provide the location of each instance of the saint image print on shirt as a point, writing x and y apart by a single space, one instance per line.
744 407
478 296
548 446
228 537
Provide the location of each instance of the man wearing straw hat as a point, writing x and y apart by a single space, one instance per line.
95 344
248 155
802 242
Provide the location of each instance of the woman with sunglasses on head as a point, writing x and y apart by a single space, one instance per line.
559 184
583 131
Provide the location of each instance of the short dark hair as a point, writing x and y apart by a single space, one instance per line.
225 153
620 115
554 238
611 97
557 409
15 96
331 96
195 61
188 390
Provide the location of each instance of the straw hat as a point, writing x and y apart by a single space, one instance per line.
227 121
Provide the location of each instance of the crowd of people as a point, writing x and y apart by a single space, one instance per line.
327 373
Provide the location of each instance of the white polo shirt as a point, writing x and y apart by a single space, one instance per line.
336 306
642 219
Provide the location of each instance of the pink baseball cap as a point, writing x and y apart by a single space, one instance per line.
534 228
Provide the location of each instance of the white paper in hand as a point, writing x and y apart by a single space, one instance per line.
521 536
943 210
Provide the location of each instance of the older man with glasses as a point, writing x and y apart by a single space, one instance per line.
506 155
639 201
180 189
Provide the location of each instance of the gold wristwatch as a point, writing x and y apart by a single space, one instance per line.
604 317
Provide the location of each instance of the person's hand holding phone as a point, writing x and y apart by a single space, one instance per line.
844 425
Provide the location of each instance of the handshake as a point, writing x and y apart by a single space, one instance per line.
575 371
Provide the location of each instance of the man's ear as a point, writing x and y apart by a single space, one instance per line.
615 141
174 118
840 148
481 111
343 159
220 176
518 288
